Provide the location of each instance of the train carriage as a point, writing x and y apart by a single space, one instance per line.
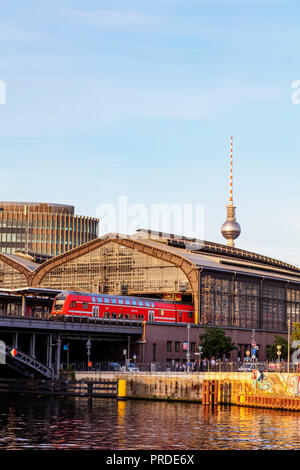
80 304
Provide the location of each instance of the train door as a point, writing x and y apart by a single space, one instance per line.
95 311
151 315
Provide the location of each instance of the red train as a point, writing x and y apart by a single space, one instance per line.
122 307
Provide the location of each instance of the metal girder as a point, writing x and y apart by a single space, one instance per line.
29 362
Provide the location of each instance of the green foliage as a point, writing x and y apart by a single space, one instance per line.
215 343
272 350
296 332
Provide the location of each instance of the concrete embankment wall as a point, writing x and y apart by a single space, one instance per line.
189 387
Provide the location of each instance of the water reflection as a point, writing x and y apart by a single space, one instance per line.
81 423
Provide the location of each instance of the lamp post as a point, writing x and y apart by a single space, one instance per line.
88 346
289 339
278 354
188 348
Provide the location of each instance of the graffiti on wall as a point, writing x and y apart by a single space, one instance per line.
293 385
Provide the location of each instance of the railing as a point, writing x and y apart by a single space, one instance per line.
102 389
73 319
151 367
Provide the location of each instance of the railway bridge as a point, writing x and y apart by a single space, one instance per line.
36 344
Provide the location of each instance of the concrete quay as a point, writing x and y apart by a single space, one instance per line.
232 387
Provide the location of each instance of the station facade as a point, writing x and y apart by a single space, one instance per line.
234 289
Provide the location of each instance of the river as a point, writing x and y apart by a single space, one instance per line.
82 423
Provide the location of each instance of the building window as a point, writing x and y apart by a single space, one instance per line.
177 346
193 347
169 346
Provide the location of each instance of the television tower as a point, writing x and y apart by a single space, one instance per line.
230 229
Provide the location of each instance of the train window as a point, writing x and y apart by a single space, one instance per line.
127 302
141 317
152 304
106 300
114 315
121 301
85 305
141 304
147 304
113 301
180 314
127 316
161 312
73 304
59 302
190 314
120 315
93 299
134 316
134 302
106 315
99 300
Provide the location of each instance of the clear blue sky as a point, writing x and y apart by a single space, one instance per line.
140 98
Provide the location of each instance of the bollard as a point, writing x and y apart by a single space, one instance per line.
121 389
205 392
210 392
214 391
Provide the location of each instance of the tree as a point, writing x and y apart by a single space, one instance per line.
296 332
215 343
272 350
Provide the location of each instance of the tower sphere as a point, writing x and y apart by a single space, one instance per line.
231 229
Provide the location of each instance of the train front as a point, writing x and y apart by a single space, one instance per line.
59 304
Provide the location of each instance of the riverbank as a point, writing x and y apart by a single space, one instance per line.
232 387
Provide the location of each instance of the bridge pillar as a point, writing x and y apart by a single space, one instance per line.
58 347
15 340
49 350
32 345
23 305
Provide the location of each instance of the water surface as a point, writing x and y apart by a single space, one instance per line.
82 423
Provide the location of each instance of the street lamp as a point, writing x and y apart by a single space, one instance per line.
289 339
188 348
88 346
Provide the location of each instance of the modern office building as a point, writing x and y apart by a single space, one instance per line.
42 228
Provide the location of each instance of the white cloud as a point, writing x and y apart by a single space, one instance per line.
110 19
9 31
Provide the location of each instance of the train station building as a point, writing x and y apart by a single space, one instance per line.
231 288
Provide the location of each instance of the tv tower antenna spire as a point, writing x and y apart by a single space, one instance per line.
231 229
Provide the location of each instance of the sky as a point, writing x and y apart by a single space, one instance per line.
138 99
